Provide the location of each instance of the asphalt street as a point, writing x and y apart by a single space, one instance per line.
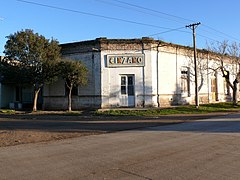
202 149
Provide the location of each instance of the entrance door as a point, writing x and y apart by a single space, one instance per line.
127 98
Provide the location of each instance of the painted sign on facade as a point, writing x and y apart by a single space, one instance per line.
126 60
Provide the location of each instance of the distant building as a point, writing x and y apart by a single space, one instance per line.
138 73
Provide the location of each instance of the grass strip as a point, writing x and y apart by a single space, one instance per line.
189 109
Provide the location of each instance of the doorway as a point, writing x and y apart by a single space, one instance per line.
127 93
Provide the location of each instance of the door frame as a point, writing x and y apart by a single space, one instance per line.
127 90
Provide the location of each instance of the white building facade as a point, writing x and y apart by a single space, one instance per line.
138 73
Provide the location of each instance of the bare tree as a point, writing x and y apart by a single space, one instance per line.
227 58
202 66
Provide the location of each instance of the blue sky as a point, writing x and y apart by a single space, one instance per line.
70 20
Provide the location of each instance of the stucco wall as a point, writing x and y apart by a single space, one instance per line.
88 96
111 82
171 60
157 83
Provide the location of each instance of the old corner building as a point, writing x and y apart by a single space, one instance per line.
138 73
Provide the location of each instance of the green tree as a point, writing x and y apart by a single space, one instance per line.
74 73
35 56
11 73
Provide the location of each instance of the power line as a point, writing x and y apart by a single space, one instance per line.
178 29
136 8
175 29
129 21
125 7
152 10
178 17
212 33
91 14
106 17
208 38
151 35
220 32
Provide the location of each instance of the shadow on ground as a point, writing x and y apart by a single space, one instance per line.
89 122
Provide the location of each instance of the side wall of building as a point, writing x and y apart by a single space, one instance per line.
173 62
88 96
164 75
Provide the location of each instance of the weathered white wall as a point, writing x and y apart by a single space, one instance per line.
157 84
171 60
167 63
111 82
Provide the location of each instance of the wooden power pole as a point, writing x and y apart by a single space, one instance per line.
193 27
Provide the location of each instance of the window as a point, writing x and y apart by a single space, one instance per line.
185 84
123 85
130 86
127 85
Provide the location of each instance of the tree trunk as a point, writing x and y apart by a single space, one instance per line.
36 92
70 99
235 97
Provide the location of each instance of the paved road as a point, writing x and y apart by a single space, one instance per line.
61 123
204 149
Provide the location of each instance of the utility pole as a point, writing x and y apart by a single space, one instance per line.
193 27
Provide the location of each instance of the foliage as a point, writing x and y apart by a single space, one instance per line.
33 53
33 58
12 73
7 111
74 73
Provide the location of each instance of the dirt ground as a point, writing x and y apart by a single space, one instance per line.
15 137
32 127
11 134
